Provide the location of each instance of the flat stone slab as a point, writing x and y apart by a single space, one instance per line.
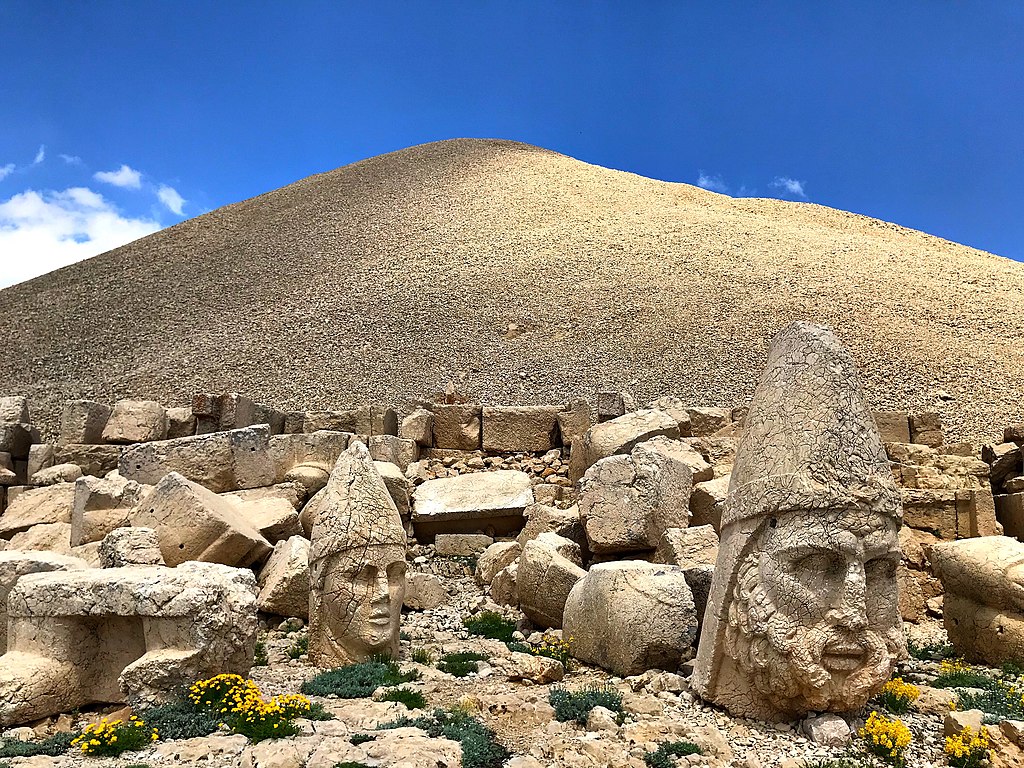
478 501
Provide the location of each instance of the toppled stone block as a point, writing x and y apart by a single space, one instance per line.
494 558
275 517
397 450
893 426
16 439
222 461
544 579
527 429
95 460
1004 461
544 517
688 547
272 417
707 500
16 563
36 506
130 546
47 537
675 408
504 589
493 502
235 412
101 505
40 457
181 422
320 450
627 502
423 592
131 635
573 421
631 616
457 427
461 544
58 473
1014 433
919 466
618 436
926 428
294 422
332 421
193 523
983 605
397 484
284 580
418 426
14 408
383 420
136 421
610 405
82 422
706 421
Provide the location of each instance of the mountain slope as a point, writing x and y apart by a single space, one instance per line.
390 277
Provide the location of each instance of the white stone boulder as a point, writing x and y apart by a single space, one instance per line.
82 422
618 436
130 546
101 505
491 502
544 579
494 558
136 421
284 580
58 473
36 506
688 547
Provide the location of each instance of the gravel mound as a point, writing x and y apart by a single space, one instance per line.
391 277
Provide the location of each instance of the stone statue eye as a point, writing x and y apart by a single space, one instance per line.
820 562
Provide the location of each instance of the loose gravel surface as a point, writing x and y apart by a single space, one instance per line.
388 279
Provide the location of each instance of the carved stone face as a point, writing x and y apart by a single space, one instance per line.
816 618
363 595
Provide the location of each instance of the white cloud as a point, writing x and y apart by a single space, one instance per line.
71 159
714 183
40 155
125 177
790 186
169 197
6 170
42 231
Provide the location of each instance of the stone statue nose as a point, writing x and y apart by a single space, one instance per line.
852 609
380 587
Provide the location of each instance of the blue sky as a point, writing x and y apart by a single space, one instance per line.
119 118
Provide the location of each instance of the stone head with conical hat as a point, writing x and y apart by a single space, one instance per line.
802 614
356 565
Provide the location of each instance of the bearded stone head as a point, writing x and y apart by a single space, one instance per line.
803 613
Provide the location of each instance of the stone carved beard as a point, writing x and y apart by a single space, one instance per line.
783 656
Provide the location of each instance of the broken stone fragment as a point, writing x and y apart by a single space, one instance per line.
35 506
181 422
418 426
423 591
573 421
40 457
101 505
95 460
136 421
544 579
284 580
494 558
461 544
457 427
58 473
82 422
618 436
16 439
397 450
16 563
688 547
130 546
493 502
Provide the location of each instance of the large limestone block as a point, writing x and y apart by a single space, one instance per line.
919 466
631 616
36 506
114 635
707 421
356 565
48 537
398 485
130 546
544 579
541 518
494 558
688 547
627 502
82 422
95 460
707 501
16 563
284 580
194 523
893 426
16 439
58 473
418 426
617 436
318 450
181 422
101 505
675 408
40 457
529 428
334 421
492 502
222 461
983 605
136 421
573 421
457 427
273 516
803 612
926 428
14 408
396 450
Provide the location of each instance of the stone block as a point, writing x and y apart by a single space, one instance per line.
494 558
893 426
15 564
704 422
397 484
573 421
222 461
181 422
1010 513
82 422
461 544
544 579
235 412
316 449
95 460
418 426
1014 433
528 429
294 422
48 537
610 405
457 427
489 502
273 516
333 421
618 436
36 506
383 420
931 510
16 439
194 523
101 506
976 513
14 408
707 500
688 547
284 580
1004 461
504 590
57 473
423 592
631 616
135 421
926 428
116 635
541 518
40 457
130 546
675 408
396 450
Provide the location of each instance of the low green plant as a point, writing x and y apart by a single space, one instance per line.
1012 669
663 756
516 647
422 656
350 764
300 648
317 712
554 647
896 696
112 738
361 738
467 561
358 681
259 658
181 720
490 624
957 674
1001 701
51 746
576 705
930 651
480 748
403 635
462 663
412 699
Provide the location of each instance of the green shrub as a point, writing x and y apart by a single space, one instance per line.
461 664
112 738
361 738
480 748
1001 701
490 624
662 756
300 649
412 699
576 705
422 656
181 720
317 712
358 681
52 746
350 764
516 647
957 674
930 651
259 658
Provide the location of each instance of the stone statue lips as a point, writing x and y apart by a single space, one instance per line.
843 655
381 616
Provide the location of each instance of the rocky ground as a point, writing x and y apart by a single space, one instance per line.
658 707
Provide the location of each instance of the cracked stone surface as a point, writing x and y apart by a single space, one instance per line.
803 610
356 565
